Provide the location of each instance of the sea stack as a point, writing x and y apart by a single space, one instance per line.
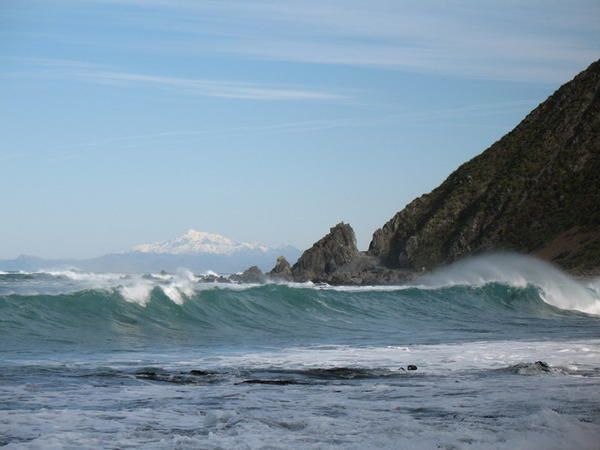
282 270
327 255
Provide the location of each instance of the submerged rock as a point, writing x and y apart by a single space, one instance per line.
200 373
536 368
272 382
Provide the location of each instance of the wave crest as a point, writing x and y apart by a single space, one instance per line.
555 287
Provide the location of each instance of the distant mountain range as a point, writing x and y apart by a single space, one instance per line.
200 242
197 251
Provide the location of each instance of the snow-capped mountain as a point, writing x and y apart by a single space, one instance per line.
195 250
194 241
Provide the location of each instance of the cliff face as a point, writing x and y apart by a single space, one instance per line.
536 190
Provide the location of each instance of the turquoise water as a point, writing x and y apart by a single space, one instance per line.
278 315
166 361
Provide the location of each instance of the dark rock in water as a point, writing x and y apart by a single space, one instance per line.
348 373
364 269
542 365
335 260
282 270
192 377
214 279
250 275
150 374
411 367
535 368
536 190
327 255
340 372
273 382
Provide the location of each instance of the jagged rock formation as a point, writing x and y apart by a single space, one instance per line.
335 260
327 255
251 275
536 190
282 270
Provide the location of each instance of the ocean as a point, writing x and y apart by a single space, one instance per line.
504 352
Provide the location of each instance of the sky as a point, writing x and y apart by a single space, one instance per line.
131 121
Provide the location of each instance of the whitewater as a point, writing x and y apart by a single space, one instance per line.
506 349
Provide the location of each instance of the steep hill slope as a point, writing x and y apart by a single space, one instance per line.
536 190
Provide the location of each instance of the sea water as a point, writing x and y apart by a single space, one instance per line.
507 351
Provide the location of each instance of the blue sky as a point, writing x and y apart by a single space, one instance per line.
131 121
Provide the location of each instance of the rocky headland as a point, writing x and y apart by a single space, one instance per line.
536 191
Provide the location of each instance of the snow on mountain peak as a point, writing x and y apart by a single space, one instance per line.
194 241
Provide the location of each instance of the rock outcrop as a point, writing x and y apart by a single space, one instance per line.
335 260
251 275
536 190
282 270
327 256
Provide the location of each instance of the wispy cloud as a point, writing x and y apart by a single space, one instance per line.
537 41
131 142
208 88
322 124
91 73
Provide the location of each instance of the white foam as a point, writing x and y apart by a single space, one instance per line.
432 359
134 288
137 293
180 285
557 288
455 408
76 275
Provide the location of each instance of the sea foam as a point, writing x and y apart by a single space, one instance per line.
555 286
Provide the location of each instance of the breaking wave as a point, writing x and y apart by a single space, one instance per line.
516 271
556 287
496 297
472 344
